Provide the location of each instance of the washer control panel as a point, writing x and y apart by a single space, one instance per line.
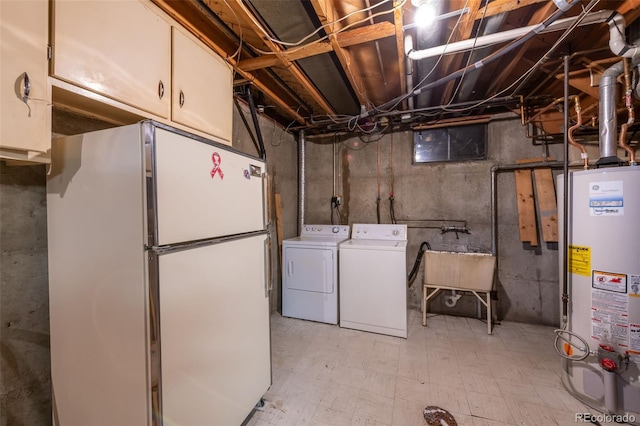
325 230
368 231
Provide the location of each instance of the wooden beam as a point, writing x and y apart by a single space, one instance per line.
451 63
266 61
526 207
547 207
366 34
501 6
245 14
345 39
327 15
514 60
398 24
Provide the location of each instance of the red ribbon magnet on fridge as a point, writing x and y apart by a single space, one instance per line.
215 158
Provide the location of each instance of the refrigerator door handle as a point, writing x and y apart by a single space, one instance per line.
268 282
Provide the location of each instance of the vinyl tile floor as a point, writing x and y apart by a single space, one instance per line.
327 375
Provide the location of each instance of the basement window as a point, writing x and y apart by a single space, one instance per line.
461 143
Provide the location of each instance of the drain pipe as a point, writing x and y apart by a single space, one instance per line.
563 7
616 38
504 36
301 181
408 46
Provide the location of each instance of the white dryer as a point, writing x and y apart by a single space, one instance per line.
373 279
310 273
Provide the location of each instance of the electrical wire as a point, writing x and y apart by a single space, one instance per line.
402 98
489 58
473 47
353 121
328 24
296 48
240 37
532 69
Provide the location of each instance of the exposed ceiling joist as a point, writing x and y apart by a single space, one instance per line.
344 39
327 16
462 32
360 60
508 69
245 14
398 20
502 6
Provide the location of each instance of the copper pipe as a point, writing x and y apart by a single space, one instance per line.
627 100
572 141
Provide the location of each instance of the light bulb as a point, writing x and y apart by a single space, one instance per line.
425 15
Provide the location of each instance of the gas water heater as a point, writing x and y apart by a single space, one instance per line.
600 343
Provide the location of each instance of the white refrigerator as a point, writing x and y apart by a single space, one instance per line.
158 279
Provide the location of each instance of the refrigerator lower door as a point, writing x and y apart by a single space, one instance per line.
214 329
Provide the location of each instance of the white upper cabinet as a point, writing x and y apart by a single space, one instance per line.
202 87
119 49
25 100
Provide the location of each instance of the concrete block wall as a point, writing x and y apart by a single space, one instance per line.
25 395
426 196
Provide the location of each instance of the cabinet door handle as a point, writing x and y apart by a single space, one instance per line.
181 98
26 87
160 89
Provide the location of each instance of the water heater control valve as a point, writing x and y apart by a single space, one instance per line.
610 360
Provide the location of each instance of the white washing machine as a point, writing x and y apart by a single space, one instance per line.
373 279
310 273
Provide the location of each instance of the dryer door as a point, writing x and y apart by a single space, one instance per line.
309 269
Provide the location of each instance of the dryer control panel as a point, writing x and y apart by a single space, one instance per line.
370 231
325 230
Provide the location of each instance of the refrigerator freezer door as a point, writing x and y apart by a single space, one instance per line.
215 343
204 191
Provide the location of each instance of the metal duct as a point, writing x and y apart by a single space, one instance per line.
301 181
608 118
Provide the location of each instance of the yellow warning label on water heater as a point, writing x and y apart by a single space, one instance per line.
579 258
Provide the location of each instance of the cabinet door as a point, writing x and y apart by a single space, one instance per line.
202 88
120 49
24 92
